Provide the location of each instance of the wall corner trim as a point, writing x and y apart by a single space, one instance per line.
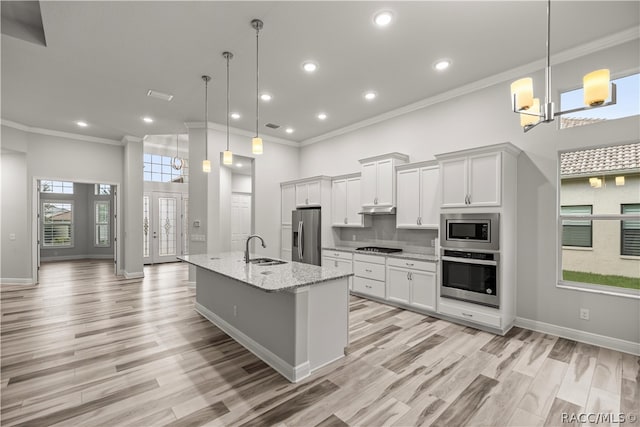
581 336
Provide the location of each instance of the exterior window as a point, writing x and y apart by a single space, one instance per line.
102 238
59 187
159 168
630 233
628 104
599 219
576 232
102 190
57 224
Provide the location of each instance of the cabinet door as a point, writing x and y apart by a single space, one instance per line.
429 202
385 178
407 198
286 237
423 290
314 193
485 173
398 285
288 203
302 195
353 205
368 191
453 182
339 202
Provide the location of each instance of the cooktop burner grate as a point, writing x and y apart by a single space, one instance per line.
378 249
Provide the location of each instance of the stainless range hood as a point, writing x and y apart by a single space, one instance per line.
378 210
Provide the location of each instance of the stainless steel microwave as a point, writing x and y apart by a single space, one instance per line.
470 231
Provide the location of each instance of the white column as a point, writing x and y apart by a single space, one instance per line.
132 192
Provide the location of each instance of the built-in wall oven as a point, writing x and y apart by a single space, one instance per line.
470 276
470 257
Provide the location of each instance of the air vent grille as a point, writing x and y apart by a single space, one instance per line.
160 95
272 125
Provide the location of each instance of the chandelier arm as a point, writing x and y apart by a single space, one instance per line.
575 110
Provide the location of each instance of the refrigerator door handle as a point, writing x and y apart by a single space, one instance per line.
299 240
301 234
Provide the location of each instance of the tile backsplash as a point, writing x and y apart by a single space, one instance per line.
383 232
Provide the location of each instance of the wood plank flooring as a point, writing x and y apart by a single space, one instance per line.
87 348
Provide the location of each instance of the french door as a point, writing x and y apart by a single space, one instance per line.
162 227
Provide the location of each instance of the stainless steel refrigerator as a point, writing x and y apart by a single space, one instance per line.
306 236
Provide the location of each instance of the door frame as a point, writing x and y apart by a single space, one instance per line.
35 224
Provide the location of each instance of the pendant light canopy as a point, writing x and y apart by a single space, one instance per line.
177 162
256 142
227 157
596 91
206 164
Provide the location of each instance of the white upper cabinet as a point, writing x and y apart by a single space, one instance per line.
308 194
288 203
417 195
345 202
378 179
472 180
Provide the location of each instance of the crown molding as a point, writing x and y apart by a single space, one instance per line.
241 132
129 139
56 133
616 39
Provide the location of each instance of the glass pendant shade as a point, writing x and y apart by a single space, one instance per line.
227 157
256 145
523 91
596 87
206 166
528 119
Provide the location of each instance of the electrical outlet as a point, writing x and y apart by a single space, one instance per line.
584 313
235 310
433 243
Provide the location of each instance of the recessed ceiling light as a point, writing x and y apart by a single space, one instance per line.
289 130
82 124
309 66
147 119
235 116
441 64
370 95
239 165
322 116
265 97
383 18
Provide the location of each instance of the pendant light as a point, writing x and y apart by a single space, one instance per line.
596 91
177 161
256 142
206 163
227 156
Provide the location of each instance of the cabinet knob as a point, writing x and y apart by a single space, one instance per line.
467 315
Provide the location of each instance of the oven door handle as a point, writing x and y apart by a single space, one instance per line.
468 260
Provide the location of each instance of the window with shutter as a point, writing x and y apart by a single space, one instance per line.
630 232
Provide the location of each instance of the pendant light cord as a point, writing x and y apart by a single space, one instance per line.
548 69
257 79
228 57
206 117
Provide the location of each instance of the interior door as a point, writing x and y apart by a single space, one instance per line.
240 220
161 227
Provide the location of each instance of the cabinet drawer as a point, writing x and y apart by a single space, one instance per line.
369 270
409 263
337 254
370 287
376 259
470 315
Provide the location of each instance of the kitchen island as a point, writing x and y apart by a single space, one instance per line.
293 316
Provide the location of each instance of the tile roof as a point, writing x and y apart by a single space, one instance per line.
601 160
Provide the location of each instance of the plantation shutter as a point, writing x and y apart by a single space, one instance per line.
576 232
630 240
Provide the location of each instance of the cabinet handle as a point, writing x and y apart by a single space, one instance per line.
367 286
467 315
336 254
408 276
409 264
306 201
418 221
335 263
345 220
367 270
375 201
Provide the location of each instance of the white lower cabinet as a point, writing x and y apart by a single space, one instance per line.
369 275
412 283
470 312
342 261
285 242
375 288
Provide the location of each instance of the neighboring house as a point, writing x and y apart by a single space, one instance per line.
601 181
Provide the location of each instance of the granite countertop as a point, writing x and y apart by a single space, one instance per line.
402 255
271 278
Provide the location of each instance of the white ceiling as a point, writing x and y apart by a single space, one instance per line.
101 59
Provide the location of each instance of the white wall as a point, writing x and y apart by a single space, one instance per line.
483 118
240 183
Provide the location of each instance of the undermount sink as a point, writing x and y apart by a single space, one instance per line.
266 261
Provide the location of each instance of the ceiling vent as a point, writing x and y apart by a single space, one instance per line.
160 95
272 125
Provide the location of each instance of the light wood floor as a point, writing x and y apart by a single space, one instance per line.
87 348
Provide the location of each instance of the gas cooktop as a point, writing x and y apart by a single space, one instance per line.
378 249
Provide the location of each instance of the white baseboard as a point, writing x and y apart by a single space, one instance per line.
74 257
134 275
290 372
581 336
13 281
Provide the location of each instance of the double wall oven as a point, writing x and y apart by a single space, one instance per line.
470 258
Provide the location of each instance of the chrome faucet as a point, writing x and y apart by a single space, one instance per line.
246 250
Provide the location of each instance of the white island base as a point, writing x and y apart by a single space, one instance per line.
295 331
